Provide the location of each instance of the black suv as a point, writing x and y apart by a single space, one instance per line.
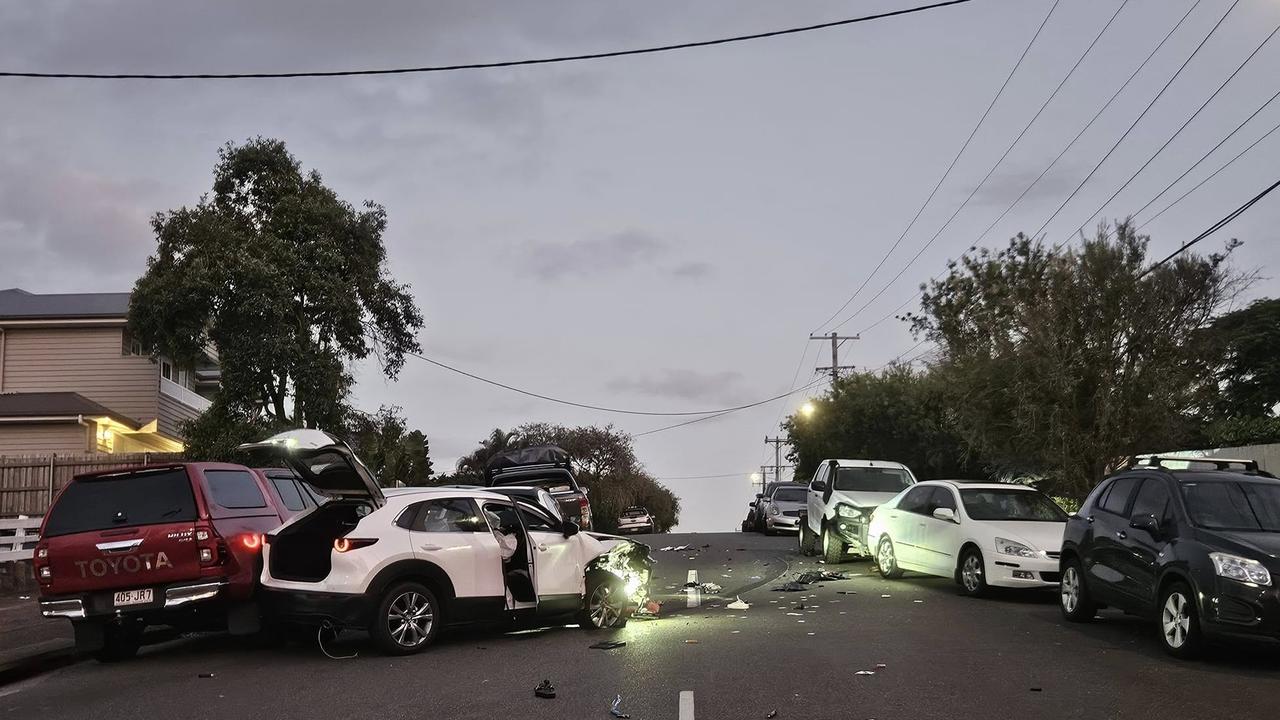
1194 549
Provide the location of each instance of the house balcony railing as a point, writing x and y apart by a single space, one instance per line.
190 398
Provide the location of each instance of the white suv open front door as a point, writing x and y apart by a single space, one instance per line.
558 572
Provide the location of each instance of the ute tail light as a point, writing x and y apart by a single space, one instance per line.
344 544
210 547
584 510
44 571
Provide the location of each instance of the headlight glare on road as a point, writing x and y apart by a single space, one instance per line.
848 511
1010 547
1240 569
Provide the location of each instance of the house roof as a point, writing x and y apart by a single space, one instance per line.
18 304
56 404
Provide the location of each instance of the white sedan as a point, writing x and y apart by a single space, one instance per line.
404 563
981 534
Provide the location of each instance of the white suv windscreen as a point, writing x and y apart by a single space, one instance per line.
871 479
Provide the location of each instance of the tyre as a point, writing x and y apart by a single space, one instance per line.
119 642
832 547
887 560
973 573
1180 621
406 620
606 603
808 541
1076 603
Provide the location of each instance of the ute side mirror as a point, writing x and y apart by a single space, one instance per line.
945 514
569 528
819 486
1146 522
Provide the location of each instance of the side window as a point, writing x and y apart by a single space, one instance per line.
289 494
1117 496
234 489
536 521
1153 499
942 498
916 500
819 476
501 516
451 515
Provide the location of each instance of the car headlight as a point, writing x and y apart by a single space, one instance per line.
848 511
773 510
1240 569
1017 549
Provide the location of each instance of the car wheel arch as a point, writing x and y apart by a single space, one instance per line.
1169 576
964 548
423 571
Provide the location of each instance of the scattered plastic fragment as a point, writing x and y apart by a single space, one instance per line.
206 675
738 604
616 709
799 606
734 632
710 587
917 601
608 645
790 587
796 614
24 597
690 642
1037 689
847 592
815 576
772 714
885 596
865 672
881 666
545 690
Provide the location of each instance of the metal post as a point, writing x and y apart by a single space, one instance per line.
53 458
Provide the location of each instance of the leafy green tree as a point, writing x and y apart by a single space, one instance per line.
1249 375
604 462
286 280
898 414
1064 362
395 454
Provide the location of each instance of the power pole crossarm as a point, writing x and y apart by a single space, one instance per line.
835 367
777 456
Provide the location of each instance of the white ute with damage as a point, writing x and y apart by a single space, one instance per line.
403 566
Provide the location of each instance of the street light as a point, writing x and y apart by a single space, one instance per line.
808 409
755 478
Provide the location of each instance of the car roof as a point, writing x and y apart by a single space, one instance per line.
979 485
406 494
869 463
1201 475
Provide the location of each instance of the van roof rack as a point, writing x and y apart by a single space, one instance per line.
1248 466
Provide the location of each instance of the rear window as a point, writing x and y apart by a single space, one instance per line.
234 489
797 494
289 493
634 512
145 498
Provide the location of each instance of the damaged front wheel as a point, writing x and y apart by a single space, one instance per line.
407 619
607 603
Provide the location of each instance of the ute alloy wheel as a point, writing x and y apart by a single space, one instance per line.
1179 621
886 561
407 619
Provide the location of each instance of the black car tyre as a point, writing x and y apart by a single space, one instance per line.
1180 621
832 546
606 604
886 560
119 642
406 620
1074 599
808 540
973 574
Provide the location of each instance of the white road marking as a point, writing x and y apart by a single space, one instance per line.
695 594
686 705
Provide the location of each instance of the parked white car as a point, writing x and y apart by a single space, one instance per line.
402 566
841 497
981 534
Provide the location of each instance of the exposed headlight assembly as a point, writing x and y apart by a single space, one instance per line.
1240 569
848 511
1017 549
773 510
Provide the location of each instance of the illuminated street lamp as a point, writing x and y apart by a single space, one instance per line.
755 478
808 409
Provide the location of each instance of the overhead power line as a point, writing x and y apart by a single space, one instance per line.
950 167
1213 228
1138 119
723 412
601 408
982 183
478 66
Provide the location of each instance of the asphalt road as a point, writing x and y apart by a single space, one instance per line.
943 656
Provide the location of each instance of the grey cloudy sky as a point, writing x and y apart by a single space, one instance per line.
657 232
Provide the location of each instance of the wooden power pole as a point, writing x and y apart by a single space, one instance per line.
835 366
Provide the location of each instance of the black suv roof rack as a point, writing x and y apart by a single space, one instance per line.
1248 466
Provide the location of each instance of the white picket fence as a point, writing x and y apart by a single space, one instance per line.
18 537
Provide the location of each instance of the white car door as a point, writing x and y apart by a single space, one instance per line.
558 570
904 525
449 533
815 504
939 540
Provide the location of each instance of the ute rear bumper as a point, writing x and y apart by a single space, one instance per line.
101 604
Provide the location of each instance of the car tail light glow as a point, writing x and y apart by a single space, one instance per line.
251 541
344 544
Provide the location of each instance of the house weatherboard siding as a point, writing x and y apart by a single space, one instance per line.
172 414
44 439
89 361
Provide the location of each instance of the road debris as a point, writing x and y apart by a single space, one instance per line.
206 675
324 628
791 586
616 709
691 642
545 690
886 595
816 576
608 645
772 714
865 672
710 587
738 604
917 601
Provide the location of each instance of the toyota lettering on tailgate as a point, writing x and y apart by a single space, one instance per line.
101 567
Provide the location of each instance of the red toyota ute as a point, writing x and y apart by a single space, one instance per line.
175 545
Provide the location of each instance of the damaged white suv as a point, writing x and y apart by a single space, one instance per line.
403 566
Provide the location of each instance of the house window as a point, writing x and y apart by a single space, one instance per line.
167 371
130 345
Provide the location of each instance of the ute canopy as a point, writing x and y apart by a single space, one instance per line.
527 457
324 462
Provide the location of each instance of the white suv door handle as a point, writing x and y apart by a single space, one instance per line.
431 548
542 548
